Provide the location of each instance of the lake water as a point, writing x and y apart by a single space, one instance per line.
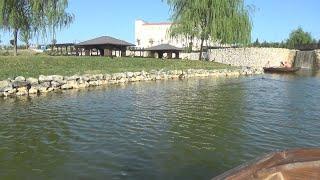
191 129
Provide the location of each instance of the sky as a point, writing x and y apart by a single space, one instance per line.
273 20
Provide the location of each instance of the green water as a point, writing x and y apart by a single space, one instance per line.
192 129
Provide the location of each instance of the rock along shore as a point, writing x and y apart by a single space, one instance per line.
21 86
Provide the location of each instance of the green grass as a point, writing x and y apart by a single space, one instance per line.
35 65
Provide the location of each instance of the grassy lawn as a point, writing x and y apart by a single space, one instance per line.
35 65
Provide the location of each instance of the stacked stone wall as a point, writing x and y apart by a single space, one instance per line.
247 57
21 86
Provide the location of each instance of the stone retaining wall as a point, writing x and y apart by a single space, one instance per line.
248 57
20 86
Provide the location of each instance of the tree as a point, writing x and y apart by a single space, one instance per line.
14 16
30 15
25 36
283 44
299 37
256 43
226 21
58 18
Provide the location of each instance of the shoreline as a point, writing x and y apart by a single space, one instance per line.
21 86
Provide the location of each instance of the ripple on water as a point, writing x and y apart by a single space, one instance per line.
191 129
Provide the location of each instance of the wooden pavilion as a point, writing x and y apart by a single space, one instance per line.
165 48
103 46
63 48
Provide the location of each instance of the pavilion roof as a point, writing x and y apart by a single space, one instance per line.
105 40
164 47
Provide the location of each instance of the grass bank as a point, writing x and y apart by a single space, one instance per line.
33 66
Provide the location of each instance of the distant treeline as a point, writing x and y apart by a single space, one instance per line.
314 45
298 39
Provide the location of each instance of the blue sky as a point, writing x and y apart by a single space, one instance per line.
273 19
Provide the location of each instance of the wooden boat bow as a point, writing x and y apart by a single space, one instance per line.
280 70
291 164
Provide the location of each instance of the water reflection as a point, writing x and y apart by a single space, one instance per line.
192 129
32 139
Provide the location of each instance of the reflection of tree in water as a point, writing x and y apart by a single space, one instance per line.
205 117
33 139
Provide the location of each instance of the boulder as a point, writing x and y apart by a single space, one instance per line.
33 90
85 78
107 77
33 81
95 83
20 78
158 77
70 85
135 74
18 84
66 86
55 84
45 84
111 81
80 81
130 74
43 78
153 72
6 89
9 92
22 91
92 77
153 77
145 74
83 85
72 78
118 76
99 76
4 85
41 88
57 78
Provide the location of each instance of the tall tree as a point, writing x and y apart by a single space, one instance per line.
226 21
58 18
31 15
14 15
25 36
299 37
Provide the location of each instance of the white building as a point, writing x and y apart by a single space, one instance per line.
153 34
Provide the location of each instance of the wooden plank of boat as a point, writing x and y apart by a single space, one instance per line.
280 70
291 164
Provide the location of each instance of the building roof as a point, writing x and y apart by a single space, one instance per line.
164 47
105 40
157 24
64 44
145 23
